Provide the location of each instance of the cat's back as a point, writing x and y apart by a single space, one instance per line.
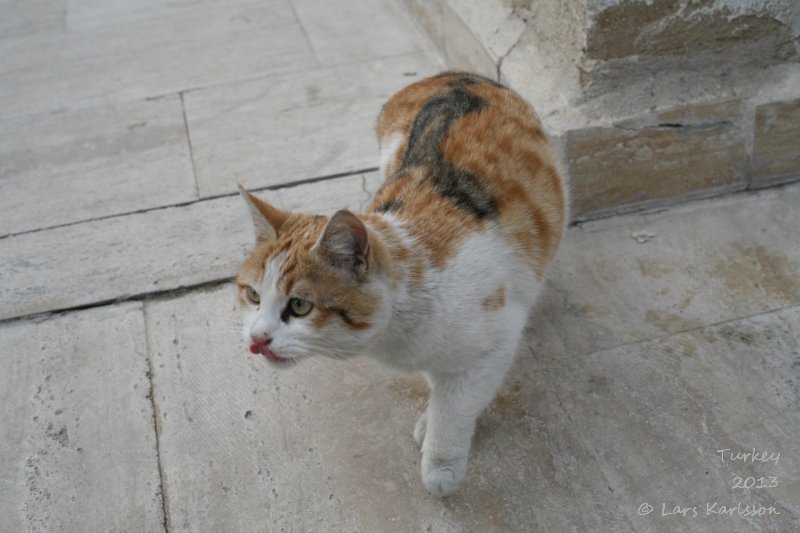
463 155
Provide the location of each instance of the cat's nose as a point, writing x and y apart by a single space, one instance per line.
261 338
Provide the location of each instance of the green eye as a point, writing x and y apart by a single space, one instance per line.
252 295
300 307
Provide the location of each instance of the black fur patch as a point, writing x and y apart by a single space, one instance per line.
428 132
391 205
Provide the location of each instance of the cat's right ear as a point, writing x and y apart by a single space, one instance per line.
267 220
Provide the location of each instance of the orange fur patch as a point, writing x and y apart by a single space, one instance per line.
502 143
496 300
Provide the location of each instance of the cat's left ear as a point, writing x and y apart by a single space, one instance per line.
345 242
266 219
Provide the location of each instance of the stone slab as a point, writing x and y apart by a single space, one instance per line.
326 445
655 416
149 57
153 251
691 151
696 265
19 18
66 167
296 126
87 15
776 147
358 30
78 446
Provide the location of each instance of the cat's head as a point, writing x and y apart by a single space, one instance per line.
310 286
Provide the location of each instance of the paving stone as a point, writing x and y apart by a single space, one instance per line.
697 264
358 30
149 57
326 445
296 126
19 18
78 446
683 152
776 149
84 15
655 416
146 252
66 167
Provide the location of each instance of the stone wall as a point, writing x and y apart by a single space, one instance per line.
650 102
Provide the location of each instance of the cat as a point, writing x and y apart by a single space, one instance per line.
439 275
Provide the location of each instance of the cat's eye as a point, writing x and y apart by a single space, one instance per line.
252 296
300 307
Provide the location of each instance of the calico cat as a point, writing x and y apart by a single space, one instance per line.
441 272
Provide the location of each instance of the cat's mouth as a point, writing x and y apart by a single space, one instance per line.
264 350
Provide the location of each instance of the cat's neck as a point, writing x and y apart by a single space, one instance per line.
403 266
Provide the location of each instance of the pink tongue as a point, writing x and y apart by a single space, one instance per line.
263 350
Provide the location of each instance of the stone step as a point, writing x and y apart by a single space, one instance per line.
154 251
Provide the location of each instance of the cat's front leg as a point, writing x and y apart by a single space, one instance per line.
447 426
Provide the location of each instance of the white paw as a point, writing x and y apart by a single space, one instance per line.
443 476
420 427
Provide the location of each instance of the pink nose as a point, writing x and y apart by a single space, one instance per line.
260 342
260 338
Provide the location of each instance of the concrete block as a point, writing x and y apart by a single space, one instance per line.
357 30
78 445
161 56
681 153
776 149
66 167
147 252
293 127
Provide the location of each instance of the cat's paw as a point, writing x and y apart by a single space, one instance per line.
443 476
420 427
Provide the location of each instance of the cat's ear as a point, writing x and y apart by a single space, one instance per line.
266 219
345 242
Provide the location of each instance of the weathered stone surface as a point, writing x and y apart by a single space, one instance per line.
19 18
654 416
293 127
619 29
147 252
699 264
326 445
84 15
148 57
776 149
685 152
67 167
461 46
357 30
78 446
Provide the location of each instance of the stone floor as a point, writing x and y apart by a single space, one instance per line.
129 402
